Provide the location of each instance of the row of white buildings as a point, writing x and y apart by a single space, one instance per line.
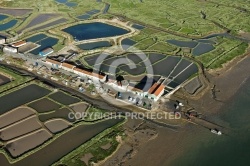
154 92
73 69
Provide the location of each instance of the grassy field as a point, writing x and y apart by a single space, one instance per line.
94 114
146 43
224 58
93 147
163 47
179 16
53 6
226 50
186 17
154 40
16 79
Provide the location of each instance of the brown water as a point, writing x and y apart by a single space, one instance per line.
63 145
21 96
230 149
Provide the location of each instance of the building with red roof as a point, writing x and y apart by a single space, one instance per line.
156 91
53 63
18 44
68 67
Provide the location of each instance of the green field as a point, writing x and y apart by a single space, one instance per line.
93 147
183 20
226 50
173 19
185 16
53 6
15 77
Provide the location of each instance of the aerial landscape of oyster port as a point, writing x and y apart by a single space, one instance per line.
124 83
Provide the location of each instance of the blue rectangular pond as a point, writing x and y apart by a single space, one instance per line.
126 43
65 2
88 14
21 96
94 30
92 12
95 45
191 70
84 17
179 43
202 48
36 38
71 4
106 8
61 1
8 25
45 43
137 26
2 17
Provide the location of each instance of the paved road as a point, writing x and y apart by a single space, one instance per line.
97 102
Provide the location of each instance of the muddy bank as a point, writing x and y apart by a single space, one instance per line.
21 128
232 147
138 133
15 115
57 125
21 96
28 142
226 84
80 107
169 145
96 102
4 79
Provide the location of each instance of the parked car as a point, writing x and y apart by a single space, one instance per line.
119 94
81 89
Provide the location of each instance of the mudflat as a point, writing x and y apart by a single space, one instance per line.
3 79
24 144
20 128
170 145
15 115
57 125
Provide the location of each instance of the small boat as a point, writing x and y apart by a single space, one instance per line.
215 131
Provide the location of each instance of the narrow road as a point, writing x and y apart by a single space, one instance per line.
97 102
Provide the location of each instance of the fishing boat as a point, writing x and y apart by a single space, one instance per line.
215 131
